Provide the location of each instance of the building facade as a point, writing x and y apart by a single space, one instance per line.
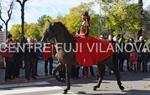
2 39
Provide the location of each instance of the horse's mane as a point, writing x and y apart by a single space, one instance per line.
63 26
65 30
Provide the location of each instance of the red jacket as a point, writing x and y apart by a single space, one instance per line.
5 53
49 52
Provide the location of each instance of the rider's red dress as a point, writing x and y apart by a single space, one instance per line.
91 50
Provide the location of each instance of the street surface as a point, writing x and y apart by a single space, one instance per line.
135 83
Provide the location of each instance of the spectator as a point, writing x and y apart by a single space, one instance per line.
121 55
22 41
130 43
9 59
101 37
29 57
86 71
17 61
110 39
140 45
145 60
36 60
133 59
48 55
75 71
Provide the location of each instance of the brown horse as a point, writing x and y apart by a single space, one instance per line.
58 31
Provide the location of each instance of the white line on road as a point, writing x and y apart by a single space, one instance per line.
29 90
23 84
69 93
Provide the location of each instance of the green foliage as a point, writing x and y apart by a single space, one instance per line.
94 25
117 15
74 19
43 21
16 30
146 24
73 22
124 17
33 31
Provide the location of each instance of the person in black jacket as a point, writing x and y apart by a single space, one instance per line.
121 54
17 61
29 59
22 41
140 46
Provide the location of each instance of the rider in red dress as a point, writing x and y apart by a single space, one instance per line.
84 29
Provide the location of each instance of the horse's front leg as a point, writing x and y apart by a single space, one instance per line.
67 74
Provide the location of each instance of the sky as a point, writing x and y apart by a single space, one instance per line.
36 8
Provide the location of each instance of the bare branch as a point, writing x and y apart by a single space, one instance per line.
19 1
2 19
10 9
24 1
1 14
9 12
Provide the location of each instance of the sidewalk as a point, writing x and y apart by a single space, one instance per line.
22 79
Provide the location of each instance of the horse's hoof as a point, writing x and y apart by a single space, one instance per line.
65 91
121 88
95 88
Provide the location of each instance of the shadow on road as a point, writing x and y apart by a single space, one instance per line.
130 76
130 92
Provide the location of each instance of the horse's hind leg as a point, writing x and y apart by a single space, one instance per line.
57 74
117 74
101 71
67 74
114 67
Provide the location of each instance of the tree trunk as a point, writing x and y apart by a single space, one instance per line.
140 2
6 25
22 18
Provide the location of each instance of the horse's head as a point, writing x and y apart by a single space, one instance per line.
53 31
48 34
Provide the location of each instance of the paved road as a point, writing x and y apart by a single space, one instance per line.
135 83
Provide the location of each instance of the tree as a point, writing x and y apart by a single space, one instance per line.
74 19
121 16
146 23
94 26
43 22
16 30
34 31
22 4
9 13
104 8
60 18
140 2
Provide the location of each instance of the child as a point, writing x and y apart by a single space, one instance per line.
133 59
